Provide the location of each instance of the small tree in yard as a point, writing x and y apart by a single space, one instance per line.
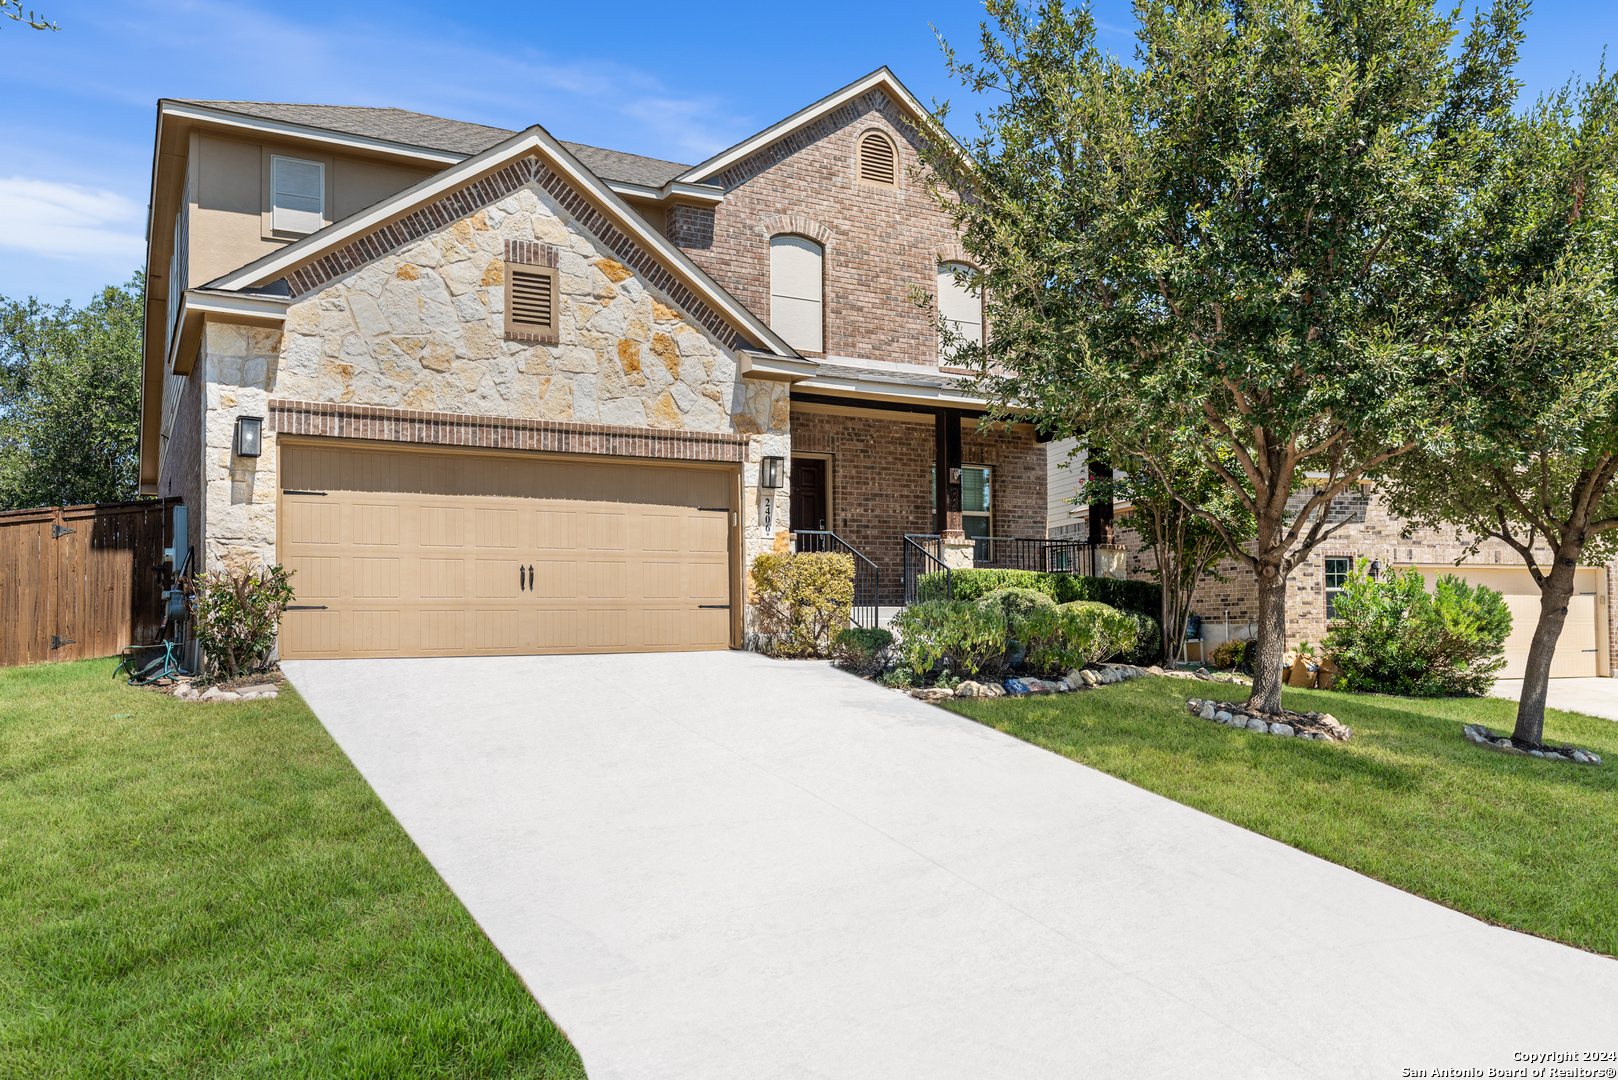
1532 463
1238 246
236 614
1185 547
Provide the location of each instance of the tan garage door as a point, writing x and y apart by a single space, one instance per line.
415 553
1577 650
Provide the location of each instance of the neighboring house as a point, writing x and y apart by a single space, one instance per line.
1229 608
488 392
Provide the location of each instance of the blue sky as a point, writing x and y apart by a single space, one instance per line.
76 130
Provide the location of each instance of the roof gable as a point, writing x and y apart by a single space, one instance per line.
462 189
881 80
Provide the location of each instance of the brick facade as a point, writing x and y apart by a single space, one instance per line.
880 242
1372 533
881 480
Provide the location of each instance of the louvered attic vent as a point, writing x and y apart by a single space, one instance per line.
531 297
878 161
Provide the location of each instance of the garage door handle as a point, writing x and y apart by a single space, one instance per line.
289 491
306 607
719 607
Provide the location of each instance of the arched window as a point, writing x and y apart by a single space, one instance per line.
879 161
796 265
961 306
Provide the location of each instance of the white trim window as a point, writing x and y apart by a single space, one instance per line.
960 306
297 195
977 482
797 267
1335 576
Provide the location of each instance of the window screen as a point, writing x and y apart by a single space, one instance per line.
297 195
975 500
959 305
796 267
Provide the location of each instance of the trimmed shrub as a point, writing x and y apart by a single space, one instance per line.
976 584
1145 597
1394 637
1017 604
1235 654
969 637
1148 639
1110 632
862 651
802 600
235 615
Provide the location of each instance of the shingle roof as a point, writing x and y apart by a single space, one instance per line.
450 136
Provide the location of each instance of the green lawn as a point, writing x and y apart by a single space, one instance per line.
1517 841
213 891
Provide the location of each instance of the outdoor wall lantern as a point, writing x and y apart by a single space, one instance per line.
249 436
769 473
1375 569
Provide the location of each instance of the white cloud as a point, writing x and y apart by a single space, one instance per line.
65 221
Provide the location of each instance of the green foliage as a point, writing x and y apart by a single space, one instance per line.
900 678
1235 654
968 637
236 613
1245 245
1394 637
1148 639
1016 605
70 399
802 600
861 650
1144 596
1104 631
13 10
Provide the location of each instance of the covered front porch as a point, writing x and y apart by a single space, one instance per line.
900 468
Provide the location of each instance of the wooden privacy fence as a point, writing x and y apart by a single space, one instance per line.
81 581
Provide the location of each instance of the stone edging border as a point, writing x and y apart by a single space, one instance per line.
1478 735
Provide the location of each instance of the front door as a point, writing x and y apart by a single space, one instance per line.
808 495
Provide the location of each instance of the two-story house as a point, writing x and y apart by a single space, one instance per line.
489 392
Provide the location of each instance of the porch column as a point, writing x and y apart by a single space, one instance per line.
1101 511
947 474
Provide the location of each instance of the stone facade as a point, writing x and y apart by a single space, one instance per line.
881 480
419 331
880 243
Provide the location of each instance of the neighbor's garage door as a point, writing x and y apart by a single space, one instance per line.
417 553
1577 650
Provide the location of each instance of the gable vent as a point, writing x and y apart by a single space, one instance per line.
531 303
878 160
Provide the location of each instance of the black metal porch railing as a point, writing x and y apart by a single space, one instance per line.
927 577
867 582
1050 556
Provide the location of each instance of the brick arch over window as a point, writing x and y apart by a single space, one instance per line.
954 253
773 225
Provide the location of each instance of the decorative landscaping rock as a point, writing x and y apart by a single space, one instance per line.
933 694
1478 735
1287 724
971 689
1089 678
1025 687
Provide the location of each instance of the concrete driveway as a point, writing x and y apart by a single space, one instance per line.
715 866
1593 697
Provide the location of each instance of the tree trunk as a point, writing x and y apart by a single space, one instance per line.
1554 595
1272 639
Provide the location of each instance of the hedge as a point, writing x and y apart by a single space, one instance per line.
1145 597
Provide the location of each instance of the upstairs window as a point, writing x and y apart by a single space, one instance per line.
297 195
879 161
959 306
796 310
